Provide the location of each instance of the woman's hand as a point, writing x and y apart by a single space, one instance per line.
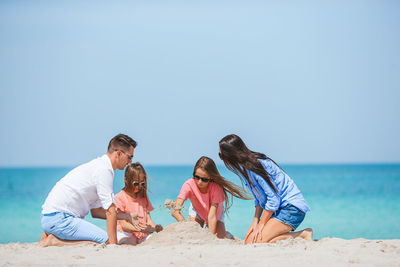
249 235
257 234
251 229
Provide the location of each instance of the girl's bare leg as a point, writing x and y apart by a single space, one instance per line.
52 240
199 221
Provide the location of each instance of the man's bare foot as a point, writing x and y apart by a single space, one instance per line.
51 240
42 239
307 234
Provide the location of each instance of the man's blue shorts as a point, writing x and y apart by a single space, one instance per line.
67 227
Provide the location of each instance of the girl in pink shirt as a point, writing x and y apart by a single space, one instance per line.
207 191
133 199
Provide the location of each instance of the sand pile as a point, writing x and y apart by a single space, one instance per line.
185 233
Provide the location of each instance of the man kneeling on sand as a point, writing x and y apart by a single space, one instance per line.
87 187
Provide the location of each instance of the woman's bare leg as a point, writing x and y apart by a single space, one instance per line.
275 230
306 234
272 229
52 240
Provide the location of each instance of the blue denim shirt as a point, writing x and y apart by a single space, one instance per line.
265 196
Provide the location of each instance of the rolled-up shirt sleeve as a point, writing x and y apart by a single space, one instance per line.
273 200
104 188
256 203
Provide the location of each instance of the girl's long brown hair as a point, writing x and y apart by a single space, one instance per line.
208 165
239 159
132 173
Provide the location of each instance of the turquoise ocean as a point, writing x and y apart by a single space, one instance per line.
347 201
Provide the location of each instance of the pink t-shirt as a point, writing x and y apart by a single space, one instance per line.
202 202
127 204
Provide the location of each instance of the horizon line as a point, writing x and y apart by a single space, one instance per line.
191 165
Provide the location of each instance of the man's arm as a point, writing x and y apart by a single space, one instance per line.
111 217
100 213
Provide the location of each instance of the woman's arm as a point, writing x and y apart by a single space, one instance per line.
176 211
212 218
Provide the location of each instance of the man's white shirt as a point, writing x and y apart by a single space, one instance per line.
86 187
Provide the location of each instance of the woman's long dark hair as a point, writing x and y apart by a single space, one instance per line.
208 165
235 155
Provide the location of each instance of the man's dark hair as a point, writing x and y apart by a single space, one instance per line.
121 142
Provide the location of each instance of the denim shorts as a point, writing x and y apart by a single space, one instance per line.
193 214
68 227
289 215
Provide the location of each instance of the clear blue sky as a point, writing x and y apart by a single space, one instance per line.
302 81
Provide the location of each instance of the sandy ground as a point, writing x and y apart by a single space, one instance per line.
186 244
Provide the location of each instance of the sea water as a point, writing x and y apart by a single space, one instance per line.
346 201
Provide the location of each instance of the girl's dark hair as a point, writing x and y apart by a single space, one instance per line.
132 173
208 165
239 159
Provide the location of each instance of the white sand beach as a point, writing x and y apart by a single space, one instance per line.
186 244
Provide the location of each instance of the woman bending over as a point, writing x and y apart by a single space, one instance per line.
279 204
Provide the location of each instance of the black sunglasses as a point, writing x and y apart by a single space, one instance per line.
220 155
206 180
129 156
137 183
